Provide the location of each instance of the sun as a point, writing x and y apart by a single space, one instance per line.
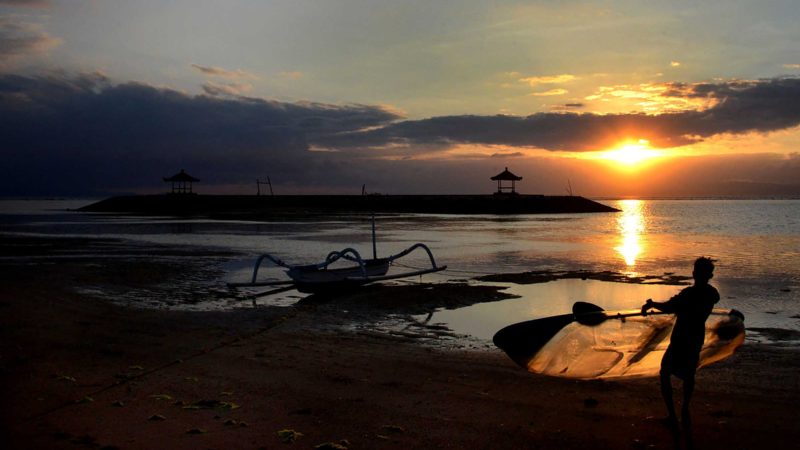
631 154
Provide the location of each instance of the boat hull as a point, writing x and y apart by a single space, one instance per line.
312 279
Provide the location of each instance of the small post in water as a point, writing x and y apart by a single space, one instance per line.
374 246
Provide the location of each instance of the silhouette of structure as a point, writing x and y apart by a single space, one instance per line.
266 183
506 176
181 182
254 206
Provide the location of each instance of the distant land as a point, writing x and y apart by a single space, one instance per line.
244 206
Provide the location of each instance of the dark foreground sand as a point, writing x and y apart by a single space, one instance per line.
79 372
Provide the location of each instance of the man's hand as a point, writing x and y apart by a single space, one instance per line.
647 305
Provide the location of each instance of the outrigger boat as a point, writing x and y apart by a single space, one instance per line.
320 278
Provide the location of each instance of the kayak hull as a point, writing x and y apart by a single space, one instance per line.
624 345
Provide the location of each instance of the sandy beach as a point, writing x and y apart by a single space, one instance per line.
81 372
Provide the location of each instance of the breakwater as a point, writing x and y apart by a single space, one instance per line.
252 205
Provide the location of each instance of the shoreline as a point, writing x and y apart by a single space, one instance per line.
80 372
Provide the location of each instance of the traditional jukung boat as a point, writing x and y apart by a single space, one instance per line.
320 278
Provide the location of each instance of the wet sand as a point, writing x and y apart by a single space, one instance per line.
80 372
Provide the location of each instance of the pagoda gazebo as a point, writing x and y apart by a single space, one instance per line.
506 176
181 182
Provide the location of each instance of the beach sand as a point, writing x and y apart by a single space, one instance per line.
80 372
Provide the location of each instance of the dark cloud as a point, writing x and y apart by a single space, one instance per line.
28 3
83 134
739 107
223 73
19 38
221 89
551 131
508 155
744 106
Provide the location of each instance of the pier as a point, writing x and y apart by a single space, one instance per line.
252 205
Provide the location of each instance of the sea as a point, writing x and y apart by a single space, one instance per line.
755 242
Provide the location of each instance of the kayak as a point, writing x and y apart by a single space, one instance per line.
592 343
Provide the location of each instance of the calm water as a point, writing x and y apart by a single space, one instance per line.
756 243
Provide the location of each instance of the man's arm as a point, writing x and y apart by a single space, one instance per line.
667 306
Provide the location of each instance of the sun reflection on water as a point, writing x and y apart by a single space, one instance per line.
631 226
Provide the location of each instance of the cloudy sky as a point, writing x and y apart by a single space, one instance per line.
613 98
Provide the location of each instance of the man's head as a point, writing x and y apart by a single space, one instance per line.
703 269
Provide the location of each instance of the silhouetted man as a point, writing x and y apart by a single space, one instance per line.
691 307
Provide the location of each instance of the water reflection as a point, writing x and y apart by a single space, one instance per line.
631 226
539 300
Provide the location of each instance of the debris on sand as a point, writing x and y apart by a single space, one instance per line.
288 436
344 444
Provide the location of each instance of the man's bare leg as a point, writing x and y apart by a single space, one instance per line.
666 392
688 389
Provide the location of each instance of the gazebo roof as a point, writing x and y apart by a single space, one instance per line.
505 175
182 176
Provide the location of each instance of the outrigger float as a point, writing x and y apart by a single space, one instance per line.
321 278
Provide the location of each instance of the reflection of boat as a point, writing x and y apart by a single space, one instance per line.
317 278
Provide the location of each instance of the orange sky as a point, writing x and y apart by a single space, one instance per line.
620 97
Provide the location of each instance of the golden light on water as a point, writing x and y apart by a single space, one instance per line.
631 226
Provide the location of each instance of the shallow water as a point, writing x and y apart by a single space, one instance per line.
756 243
545 299
483 320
